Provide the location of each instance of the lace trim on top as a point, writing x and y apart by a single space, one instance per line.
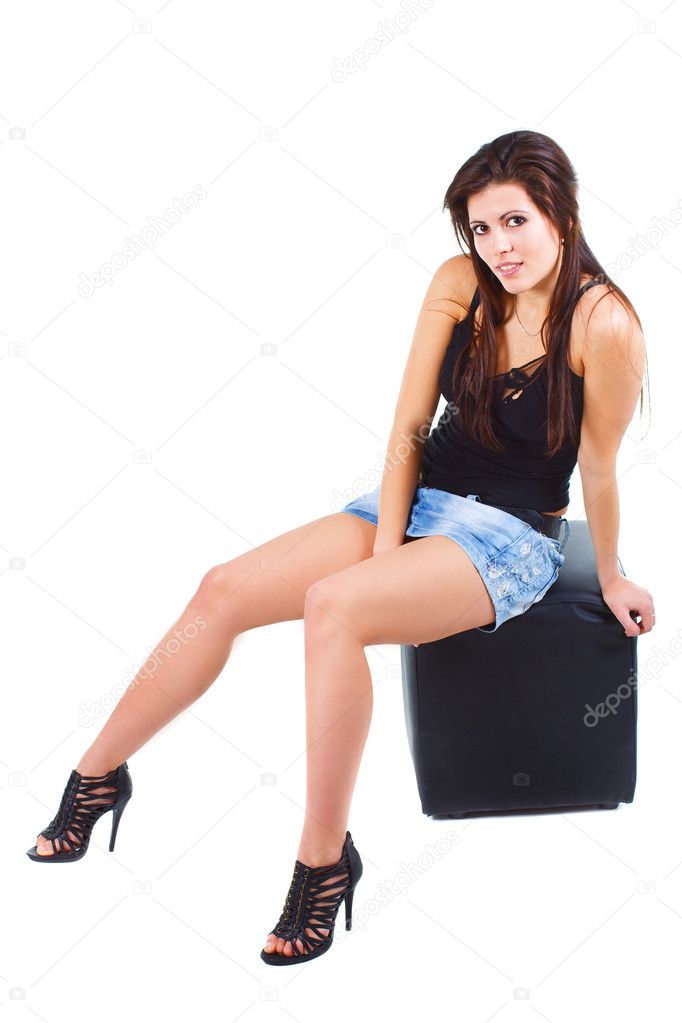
516 379
513 382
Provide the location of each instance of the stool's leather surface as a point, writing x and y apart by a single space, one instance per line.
539 715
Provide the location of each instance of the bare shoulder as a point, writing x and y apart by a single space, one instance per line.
608 330
452 287
445 304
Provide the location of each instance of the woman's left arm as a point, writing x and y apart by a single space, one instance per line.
614 359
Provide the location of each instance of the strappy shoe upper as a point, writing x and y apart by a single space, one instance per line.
312 903
80 807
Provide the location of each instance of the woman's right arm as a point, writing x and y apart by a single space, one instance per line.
444 305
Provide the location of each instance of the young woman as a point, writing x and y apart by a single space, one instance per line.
541 358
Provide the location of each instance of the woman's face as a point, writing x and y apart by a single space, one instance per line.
509 228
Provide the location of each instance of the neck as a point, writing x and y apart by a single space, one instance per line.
532 306
531 309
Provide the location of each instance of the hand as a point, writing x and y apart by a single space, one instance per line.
381 545
624 596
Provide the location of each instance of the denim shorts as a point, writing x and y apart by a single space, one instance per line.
518 561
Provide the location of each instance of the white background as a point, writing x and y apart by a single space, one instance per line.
319 232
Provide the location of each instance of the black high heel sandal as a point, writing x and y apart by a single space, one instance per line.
313 902
80 808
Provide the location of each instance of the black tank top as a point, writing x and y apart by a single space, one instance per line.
520 476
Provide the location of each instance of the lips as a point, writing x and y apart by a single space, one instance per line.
509 271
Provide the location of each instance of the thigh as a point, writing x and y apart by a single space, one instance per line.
417 593
268 584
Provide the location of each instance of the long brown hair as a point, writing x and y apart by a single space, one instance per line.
539 165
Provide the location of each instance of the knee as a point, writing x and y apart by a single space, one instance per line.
216 585
216 578
328 605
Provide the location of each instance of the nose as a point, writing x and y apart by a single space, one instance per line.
501 244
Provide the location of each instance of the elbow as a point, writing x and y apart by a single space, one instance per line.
599 459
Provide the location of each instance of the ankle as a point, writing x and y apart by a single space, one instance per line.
314 854
91 768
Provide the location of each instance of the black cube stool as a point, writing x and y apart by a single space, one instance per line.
540 715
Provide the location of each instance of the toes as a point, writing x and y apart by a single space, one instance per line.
64 843
280 946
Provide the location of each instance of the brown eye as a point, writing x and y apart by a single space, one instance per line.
517 217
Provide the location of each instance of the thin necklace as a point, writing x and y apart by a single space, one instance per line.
521 325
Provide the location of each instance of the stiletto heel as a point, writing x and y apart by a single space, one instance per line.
80 807
315 895
348 903
115 818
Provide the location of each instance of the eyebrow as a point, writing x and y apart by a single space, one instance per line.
501 217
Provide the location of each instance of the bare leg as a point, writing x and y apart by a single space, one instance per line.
422 591
265 585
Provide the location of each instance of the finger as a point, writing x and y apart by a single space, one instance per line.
638 619
635 624
630 626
